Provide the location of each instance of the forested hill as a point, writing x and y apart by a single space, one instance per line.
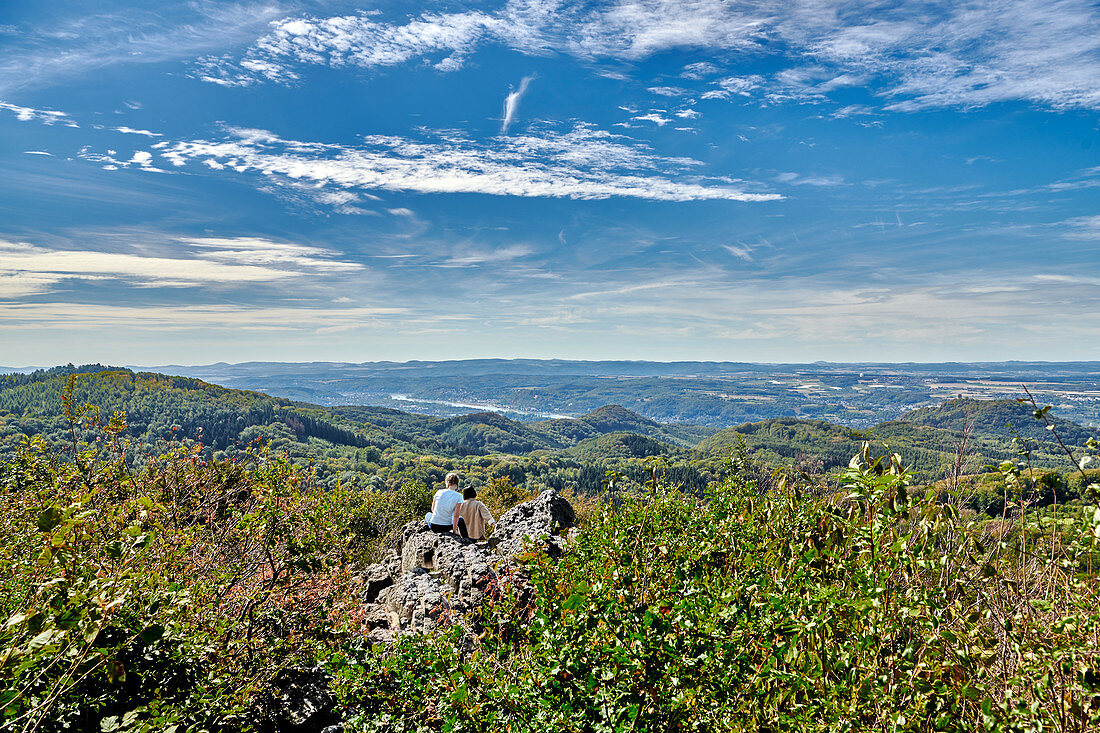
159 408
996 419
927 438
376 446
353 445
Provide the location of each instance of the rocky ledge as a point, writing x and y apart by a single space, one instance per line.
430 577
427 580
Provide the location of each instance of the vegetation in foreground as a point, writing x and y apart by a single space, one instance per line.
166 598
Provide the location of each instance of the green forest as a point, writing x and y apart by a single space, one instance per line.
382 449
177 548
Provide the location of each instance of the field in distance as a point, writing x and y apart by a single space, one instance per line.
717 394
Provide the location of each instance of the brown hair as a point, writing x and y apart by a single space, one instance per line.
452 479
469 492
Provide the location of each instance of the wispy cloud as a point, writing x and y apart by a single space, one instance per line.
64 49
914 55
653 117
351 40
110 160
734 85
581 163
131 131
700 70
799 179
75 316
511 103
29 269
668 91
471 257
740 251
1083 227
45 116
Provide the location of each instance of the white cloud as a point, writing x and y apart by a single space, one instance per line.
511 103
27 269
687 114
72 316
654 118
798 179
141 159
1083 227
131 131
916 55
37 152
351 40
45 116
144 34
734 85
668 91
700 70
472 256
851 110
739 251
582 163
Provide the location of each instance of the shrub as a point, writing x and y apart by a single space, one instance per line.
870 608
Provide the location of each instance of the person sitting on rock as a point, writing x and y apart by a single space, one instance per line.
440 518
471 515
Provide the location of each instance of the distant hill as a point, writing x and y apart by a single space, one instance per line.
357 444
159 407
620 445
784 439
717 394
926 438
614 417
350 445
997 418
488 431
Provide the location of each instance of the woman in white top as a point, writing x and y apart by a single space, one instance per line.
440 518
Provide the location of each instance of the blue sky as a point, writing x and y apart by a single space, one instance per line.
693 179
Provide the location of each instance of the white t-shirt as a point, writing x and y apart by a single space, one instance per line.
445 502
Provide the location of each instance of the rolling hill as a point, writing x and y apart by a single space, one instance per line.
373 446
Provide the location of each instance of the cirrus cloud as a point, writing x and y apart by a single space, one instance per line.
915 55
580 163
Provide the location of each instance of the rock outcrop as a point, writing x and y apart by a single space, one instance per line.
431 577
427 580
538 523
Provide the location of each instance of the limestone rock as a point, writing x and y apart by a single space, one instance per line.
432 577
538 521
376 578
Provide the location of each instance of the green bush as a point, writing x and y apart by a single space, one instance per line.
164 599
872 608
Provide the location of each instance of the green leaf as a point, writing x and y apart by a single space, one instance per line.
49 518
152 633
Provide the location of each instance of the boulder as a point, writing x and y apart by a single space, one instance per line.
537 522
431 577
376 578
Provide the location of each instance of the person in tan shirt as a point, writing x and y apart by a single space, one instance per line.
470 516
